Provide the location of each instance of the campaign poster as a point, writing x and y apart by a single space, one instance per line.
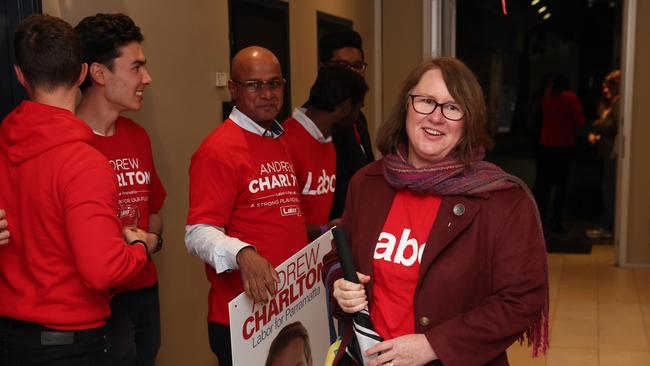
293 325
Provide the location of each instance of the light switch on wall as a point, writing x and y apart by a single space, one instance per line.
221 79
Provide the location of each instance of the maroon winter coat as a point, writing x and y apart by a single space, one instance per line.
483 272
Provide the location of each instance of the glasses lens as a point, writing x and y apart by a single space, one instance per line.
359 66
423 105
252 85
452 111
274 84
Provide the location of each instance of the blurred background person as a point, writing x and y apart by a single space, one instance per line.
561 115
352 141
603 136
335 100
448 246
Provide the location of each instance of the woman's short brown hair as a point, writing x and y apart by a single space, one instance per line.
465 90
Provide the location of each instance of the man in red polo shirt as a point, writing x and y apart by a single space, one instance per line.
245 217
335 99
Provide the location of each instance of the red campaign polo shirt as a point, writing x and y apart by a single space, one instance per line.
129 153
245 183
315 166
396 261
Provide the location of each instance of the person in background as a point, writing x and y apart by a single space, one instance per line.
561 116
603 136
335 100
351 142
449 247
67 247
236 223
117 78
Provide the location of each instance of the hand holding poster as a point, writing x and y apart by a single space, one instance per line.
292 324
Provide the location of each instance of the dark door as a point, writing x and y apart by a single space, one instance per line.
328 23
11 13
266 24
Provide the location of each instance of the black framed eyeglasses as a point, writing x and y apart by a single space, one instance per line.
257 85
357 66
424 104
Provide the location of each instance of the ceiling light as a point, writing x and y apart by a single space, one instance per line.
534 2
546 16
541 10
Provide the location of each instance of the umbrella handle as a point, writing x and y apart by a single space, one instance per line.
345 254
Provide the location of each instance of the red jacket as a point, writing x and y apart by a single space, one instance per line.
483 272
66 248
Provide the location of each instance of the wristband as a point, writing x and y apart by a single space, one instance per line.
159 243
138 241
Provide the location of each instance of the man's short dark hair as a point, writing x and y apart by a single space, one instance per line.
47 52
102 36
336 40
334 85
290 332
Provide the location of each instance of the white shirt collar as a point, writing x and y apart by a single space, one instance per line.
309 125
249 125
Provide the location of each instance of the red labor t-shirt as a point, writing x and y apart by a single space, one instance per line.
129 152
315 166
245 183
396 262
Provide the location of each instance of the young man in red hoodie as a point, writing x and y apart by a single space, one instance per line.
117 77
66 249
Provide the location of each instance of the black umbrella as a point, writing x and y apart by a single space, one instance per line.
365 335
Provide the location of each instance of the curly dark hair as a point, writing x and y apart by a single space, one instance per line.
334 85
336 40
47 52
102 36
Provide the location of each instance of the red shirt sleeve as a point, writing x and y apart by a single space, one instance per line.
214 186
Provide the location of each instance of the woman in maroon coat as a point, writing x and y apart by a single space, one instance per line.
448 246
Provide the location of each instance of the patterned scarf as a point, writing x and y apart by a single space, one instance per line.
451 177
448 176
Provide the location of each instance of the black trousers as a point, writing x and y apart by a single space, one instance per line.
220 343
553 168
134 327
30 344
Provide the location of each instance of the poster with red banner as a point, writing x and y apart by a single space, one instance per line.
293 326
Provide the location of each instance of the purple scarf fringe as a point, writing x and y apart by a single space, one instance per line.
451 177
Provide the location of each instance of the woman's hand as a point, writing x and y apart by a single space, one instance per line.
407 350
351 296
593 138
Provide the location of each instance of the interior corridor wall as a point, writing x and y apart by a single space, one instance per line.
638 229
401 46
185 44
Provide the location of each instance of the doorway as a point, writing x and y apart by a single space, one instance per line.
11 13
263 23
511 56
